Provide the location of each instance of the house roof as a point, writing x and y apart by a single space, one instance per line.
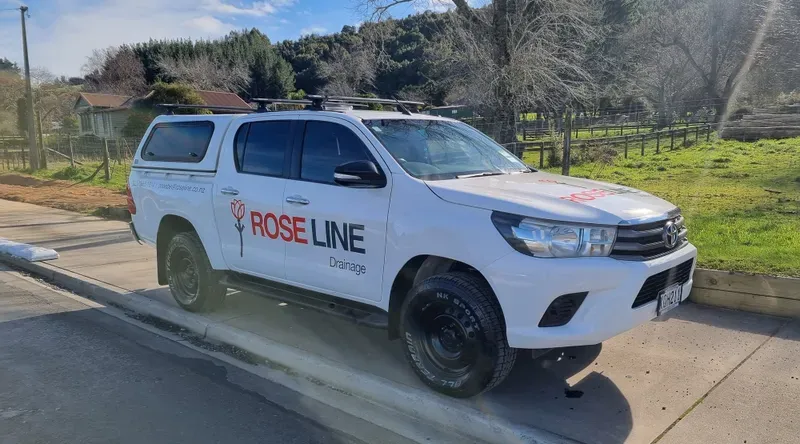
218 98
104 100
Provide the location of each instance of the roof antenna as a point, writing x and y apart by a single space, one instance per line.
401 107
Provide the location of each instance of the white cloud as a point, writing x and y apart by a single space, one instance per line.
257 9
208 25
284 22
313 29
62 34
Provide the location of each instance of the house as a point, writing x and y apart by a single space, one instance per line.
101 114
105 115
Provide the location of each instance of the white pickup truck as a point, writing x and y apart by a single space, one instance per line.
419 224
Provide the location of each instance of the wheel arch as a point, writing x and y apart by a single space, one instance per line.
416 270
168 227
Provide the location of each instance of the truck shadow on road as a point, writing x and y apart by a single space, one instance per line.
558 392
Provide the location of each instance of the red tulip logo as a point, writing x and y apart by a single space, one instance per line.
237 210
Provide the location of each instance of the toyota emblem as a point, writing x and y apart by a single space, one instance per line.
671 234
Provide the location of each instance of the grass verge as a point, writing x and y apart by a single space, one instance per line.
741 200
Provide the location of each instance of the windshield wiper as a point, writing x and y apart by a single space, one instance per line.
485 173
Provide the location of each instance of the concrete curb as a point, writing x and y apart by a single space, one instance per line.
425 406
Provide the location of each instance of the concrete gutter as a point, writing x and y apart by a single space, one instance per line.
309 372
755 293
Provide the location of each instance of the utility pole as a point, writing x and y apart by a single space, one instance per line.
34 152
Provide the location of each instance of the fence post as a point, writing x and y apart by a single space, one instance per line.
5 154
643 136
606 131
697 133
591 131
71 152
567 143
637 127
626 146
658 142
23 158
685 133
708 133
119 153
621 126
576 132
672 140
106 160
541 154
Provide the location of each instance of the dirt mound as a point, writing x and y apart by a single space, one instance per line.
60 194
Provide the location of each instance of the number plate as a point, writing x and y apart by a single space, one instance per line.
669 298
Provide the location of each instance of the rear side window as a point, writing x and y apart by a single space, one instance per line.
178 142
327 145
262 147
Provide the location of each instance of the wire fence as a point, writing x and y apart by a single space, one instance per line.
71 149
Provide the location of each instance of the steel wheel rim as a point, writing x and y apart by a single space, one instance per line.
186 278
448 340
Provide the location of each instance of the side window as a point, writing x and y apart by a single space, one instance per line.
327 145
261 147
178 142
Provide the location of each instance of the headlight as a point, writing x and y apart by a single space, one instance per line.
543 238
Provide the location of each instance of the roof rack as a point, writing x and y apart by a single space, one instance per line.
263 104
171 107
311 102
318 102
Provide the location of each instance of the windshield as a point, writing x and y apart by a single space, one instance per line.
440 149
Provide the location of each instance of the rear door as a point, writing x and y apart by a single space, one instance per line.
342 239
248 200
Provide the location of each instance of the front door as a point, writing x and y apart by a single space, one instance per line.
248 200
340 245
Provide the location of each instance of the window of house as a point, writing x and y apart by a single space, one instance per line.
178 142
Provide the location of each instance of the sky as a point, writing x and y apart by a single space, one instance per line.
62 33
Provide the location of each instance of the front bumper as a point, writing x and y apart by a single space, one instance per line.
525 287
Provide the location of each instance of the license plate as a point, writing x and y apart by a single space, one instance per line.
669 298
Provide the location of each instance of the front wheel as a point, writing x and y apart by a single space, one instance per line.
192 282
454 335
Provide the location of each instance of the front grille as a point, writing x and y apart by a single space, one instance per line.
646 241
657 282
562 309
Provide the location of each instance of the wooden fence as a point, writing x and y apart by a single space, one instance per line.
629 142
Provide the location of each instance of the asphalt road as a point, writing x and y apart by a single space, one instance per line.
72 374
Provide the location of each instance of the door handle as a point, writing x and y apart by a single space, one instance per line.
228 191
298 200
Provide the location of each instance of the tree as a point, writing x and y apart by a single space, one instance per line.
115 71
203 72
8 65
176 93
517 54
350 73
721 40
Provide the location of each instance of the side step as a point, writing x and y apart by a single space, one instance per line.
361 314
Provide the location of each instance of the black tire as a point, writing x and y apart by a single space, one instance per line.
455 335
193 283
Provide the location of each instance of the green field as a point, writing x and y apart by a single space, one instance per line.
741 200
62 171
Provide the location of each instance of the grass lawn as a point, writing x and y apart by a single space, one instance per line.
741 200
62 171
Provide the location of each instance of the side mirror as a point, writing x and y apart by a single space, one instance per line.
359 174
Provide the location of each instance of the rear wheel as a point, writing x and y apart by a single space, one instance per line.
192 282
455 336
